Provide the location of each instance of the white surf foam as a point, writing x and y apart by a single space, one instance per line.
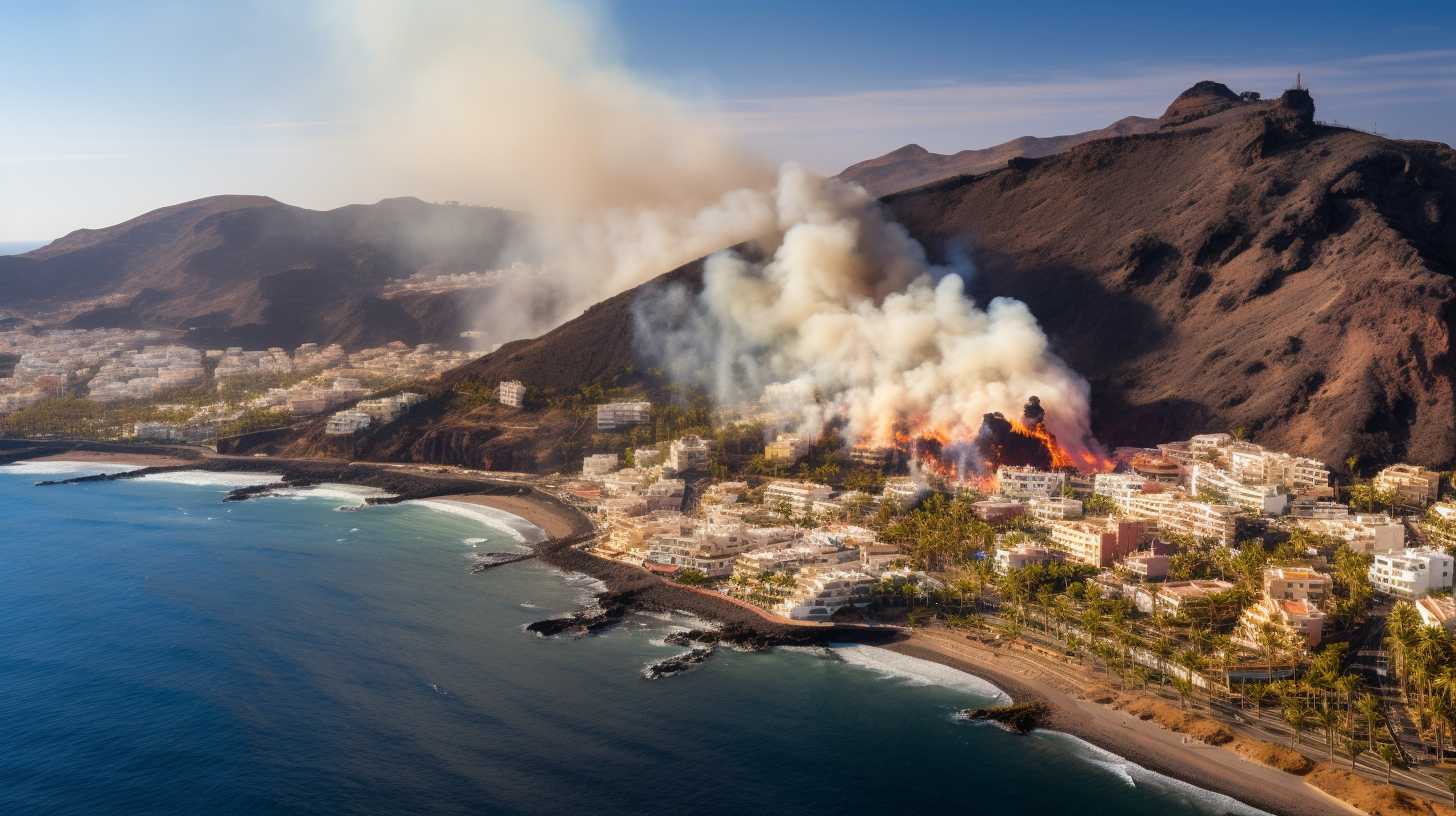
350 494
516 527
208 478
1134 775
917 672
65 468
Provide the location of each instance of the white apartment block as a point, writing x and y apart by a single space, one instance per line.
1411 573
1121 488
646 457
665 494
1176 514
1054 509
1367 533
1024 555
1297 584
1412 485
1027 482
510 392
800 496
821 593
688 454
612 416
1097 543
347 422
599 464
1265 499
902 490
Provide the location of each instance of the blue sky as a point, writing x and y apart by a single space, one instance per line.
114 109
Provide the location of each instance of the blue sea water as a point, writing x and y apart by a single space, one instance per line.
162 652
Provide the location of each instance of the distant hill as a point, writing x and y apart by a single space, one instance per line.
250 270
914 166
1244 267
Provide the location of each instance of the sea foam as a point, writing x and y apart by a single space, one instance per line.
516 527
208 478
356 495
1134 775
917 672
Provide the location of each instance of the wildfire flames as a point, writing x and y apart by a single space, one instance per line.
1000 441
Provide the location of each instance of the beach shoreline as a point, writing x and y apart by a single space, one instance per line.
1143 743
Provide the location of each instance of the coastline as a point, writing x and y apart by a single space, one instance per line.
1141 742
1145 744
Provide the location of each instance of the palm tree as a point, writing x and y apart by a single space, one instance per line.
1329 719
1354 747
1387 754
1369 708
1297 717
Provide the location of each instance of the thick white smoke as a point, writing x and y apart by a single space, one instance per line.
524 103
845 319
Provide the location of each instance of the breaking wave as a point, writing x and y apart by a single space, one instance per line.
352 494
516 527
1134 775
917 672
208 478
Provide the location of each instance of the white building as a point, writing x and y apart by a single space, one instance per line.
1367 533
902 490
510 392
1027 482
1437 610
1411 573
821 593
616 415
1412 485
688 454
599 464
1266 498
646 457
157 432
1054 509
1024 555
1121 488
799 496
1175 513
665 494
347 422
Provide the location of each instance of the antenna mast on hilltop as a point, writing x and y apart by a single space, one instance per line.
1298 81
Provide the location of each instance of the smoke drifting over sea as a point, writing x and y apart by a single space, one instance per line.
829 313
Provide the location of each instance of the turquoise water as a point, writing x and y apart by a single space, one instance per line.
163 652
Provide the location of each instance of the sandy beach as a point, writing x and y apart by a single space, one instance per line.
1144 743
557 521
138 459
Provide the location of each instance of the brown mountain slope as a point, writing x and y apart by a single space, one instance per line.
1246 268
914 166
1249 268
250 270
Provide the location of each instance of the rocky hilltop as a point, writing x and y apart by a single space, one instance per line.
249 270
1241 266
1245 266
913 166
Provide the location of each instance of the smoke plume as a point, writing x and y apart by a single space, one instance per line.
845 318
828 312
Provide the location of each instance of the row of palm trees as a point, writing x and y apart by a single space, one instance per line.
1424 661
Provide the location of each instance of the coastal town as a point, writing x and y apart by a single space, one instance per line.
1249 584
148 386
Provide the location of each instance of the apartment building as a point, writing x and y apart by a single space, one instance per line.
1176 596
510 392
799 496
1028 482
1121 488
1300 621
599 464
1097 543
998 509
347 422
1411 485
786 447
665 494
874 457
687 455
1411 573
902 490
1054 508
1175 513
1367 533
1025 554
614 416
1437 610
646 457
1264 498
821 593
1297 584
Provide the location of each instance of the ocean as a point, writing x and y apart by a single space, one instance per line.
163 652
